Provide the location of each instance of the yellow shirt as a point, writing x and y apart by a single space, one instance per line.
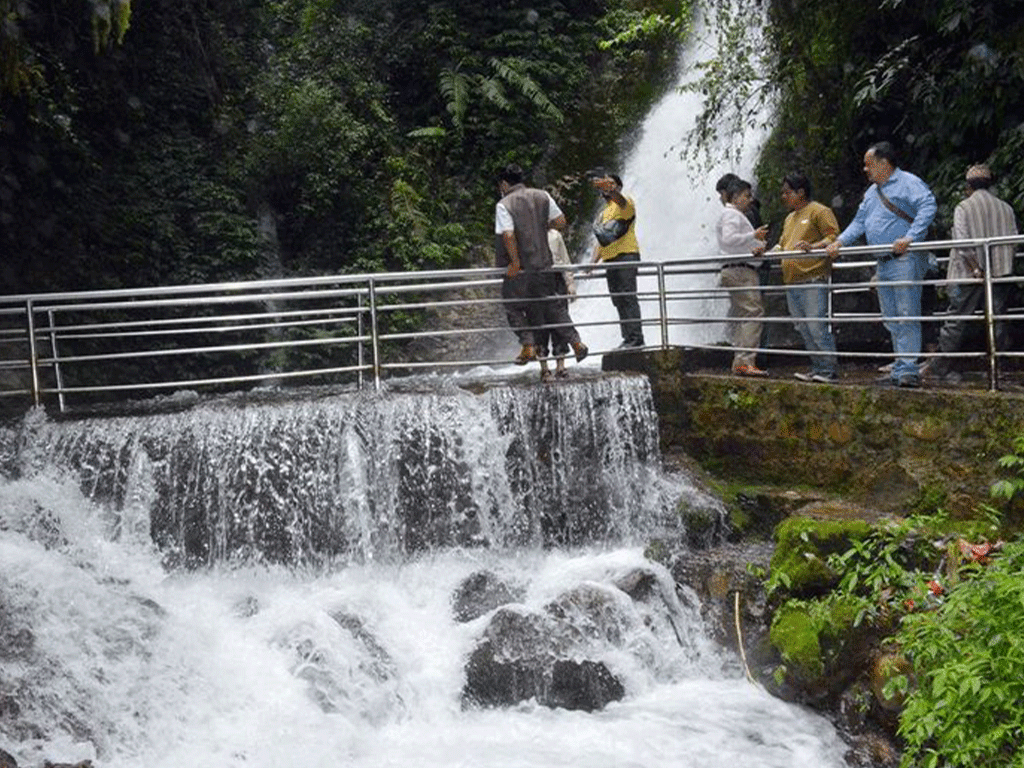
627 243
813 223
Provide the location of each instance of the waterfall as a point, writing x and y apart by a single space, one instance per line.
677 208
367 476
448 574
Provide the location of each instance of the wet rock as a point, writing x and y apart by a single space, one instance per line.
7 761
717 575
480 593
527 655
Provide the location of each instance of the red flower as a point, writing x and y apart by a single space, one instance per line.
935 588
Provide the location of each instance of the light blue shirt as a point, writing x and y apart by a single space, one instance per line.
879 225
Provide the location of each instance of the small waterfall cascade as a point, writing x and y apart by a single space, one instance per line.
365 476
427 578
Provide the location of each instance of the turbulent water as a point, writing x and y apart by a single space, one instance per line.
116 647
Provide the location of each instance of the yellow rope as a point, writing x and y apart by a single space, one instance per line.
739 636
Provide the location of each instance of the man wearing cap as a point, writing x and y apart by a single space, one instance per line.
980 215
897 210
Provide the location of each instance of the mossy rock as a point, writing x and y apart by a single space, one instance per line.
794 634
803 546
821 644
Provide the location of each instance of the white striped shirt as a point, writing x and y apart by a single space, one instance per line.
982 214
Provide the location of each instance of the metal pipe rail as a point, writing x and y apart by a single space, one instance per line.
350 328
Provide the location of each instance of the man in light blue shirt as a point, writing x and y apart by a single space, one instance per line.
897 210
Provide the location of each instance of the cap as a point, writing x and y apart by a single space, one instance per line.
979 171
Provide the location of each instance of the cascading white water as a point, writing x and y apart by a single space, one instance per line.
360 661
107 655
677 208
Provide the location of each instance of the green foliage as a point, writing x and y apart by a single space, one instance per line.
800 564
968 656
1010 488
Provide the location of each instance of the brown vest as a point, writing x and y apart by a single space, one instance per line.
530 212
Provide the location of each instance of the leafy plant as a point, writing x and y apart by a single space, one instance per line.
964 707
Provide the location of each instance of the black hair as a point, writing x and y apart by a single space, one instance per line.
798 180
980 182
883 150
511 174
723 183
736 186
616 178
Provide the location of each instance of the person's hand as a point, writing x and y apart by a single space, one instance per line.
758 250
513 268
804 246
900 246
832 249
605 184
761 233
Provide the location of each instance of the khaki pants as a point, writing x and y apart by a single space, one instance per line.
743 304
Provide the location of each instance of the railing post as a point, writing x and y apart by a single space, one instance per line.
33 358
374 339
360 330
990 328
662 306
58 377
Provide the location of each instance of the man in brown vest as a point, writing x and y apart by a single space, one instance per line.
521 222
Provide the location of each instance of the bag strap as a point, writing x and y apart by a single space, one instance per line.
893 207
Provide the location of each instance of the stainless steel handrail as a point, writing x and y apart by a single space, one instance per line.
308 328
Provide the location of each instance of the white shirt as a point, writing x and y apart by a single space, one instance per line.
503 219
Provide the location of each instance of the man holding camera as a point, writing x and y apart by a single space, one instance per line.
618 251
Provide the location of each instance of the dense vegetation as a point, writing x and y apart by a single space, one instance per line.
941 79
189 141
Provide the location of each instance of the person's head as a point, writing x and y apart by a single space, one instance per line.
509 176
604 187
978 177
722 185
880 162
739 194
796 190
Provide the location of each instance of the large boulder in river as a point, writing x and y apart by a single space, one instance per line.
525 655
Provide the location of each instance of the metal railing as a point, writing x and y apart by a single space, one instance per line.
101 345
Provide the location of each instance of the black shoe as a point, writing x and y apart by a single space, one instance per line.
909 381
631 344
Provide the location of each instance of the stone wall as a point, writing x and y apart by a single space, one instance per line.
879 446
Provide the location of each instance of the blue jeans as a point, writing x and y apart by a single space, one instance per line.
808 306
899 301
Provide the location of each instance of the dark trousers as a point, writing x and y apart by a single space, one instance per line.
622 287
537 310
966 300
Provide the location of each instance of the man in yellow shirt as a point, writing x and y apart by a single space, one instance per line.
810 226
618 250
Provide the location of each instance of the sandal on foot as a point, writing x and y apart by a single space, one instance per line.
561 373
545 375
526 355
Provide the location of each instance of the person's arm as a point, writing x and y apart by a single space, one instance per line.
924 201
825 222
854 230
736 234
961 231
509 238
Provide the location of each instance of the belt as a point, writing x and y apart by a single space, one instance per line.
741 264
889 257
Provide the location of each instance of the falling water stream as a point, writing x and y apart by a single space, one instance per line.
267 583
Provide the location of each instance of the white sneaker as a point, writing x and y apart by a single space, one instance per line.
803 376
